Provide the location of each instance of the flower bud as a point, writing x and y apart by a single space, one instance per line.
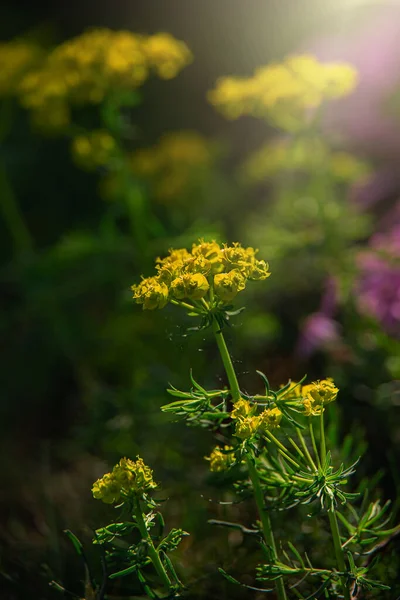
228 285
190 286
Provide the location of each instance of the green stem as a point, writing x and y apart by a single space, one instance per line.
226 359
258 494
153 554
186 305
265 521
337 544
322 438
12 216
338 549
306 450
314 445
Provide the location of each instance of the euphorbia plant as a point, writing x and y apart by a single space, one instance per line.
276 440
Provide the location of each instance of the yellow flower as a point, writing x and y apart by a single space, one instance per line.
228 285
151 292
173 165
84 69
106 489
127 477
221 461
270 418
259 271
305 154
210 251
241 409
247 427
190 286
239 258
316 395
284 92
294 391
133 475
94 149
166 54
16 58
197 264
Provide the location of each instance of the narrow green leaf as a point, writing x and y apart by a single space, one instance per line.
76 543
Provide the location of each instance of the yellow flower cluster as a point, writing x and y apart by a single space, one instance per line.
306 155
85 69
221 272
317 395
312 397
127 477
16 58
221 460
248 423
93 149
284 92
173 163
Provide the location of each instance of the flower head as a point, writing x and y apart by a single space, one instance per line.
228 285
208 272
192 286
247 427
84 69
151 292
221 460
127 477
93 149
270 419
317 395
284 92
242 409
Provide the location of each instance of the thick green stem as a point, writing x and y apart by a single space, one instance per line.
265 521
338 549
226 359
153 554
258 494
337 544
322 438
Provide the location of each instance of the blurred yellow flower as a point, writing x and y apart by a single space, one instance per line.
221 460
284 92
174 163
305 155
84 69
16 58
93 149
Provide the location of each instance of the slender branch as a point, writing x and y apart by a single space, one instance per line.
337 544
314 445
226 359
265 521
306 450
258 494
153 554
322 438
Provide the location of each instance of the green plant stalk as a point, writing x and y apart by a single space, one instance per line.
258 495
153 554
337 544
226 359
12 215
322 438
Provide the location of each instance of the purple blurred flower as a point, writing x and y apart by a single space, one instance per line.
378 286
320 330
